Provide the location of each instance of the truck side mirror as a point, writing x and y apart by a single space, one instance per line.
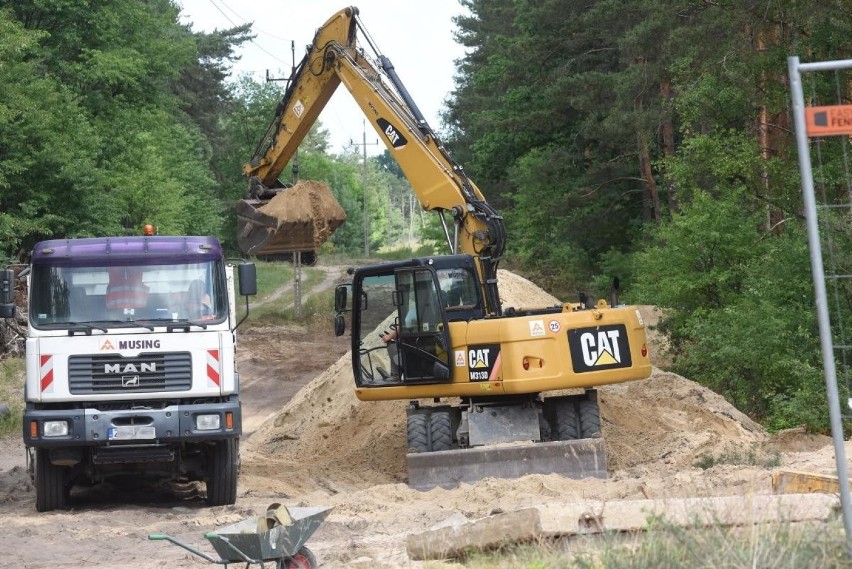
7 293
247 273
339 325
341 298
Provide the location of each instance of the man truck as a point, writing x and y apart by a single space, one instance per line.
130 367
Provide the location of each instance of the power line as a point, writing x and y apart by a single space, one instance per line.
257 45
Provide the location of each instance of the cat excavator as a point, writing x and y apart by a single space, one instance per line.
492 391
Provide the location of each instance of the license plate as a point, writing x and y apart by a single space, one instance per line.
131 433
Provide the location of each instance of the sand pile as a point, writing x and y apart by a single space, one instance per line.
334 443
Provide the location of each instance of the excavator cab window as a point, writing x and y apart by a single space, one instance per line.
406 305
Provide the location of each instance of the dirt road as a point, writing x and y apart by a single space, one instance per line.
309 442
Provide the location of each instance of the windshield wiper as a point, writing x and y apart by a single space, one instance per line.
122 322
85 327
173 324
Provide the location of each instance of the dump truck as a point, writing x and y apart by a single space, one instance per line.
492 391
130 363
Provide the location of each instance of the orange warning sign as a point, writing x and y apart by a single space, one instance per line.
829 121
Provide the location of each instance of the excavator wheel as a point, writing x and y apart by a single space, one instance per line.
590 419
567 421
418 432
440 431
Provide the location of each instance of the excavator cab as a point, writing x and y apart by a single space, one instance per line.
414 301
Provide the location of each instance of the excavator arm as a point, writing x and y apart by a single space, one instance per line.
441 185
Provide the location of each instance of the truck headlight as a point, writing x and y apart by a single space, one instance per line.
55 428
208 422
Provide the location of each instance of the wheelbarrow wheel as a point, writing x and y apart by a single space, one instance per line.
303 559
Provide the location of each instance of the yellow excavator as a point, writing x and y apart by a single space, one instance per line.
492 390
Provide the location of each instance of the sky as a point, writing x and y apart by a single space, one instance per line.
417 37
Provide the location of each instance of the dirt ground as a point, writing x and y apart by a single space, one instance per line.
309 442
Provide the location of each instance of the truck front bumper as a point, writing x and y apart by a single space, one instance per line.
93 427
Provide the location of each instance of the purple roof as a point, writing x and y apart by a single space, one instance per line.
121 250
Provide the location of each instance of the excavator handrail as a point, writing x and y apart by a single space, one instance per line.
440 183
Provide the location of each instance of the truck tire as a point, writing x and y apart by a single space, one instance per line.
223 463
51 486
590 419
304 559
567 421
418 432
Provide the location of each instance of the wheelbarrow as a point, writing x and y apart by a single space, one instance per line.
282 545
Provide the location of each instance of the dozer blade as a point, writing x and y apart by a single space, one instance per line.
583 458
297 219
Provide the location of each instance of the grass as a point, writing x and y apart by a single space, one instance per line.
751 456
12 377
272 276
782 545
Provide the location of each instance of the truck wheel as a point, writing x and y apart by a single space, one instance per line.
441 431
304 559
590 419
51 487
567 423
223 464
418 432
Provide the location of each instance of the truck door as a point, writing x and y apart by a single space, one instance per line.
423 338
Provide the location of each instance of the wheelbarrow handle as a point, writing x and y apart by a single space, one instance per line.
164 537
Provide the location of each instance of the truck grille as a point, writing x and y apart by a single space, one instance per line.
145 373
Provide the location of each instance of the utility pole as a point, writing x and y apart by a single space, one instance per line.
364 144
296 255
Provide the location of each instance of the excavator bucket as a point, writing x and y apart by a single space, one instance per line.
578 459
296 220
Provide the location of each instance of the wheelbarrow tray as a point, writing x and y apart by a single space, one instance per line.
278 543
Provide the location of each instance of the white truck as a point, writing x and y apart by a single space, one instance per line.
130 363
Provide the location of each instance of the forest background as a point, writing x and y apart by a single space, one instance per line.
650 140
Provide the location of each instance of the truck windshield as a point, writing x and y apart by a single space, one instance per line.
124 294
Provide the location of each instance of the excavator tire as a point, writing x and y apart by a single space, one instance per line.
440 431
590 419
418 433
567 421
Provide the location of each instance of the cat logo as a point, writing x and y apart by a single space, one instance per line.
107 345
482 361
605 347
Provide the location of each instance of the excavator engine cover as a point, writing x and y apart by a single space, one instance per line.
297 219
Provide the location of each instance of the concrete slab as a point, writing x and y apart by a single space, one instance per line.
598 516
